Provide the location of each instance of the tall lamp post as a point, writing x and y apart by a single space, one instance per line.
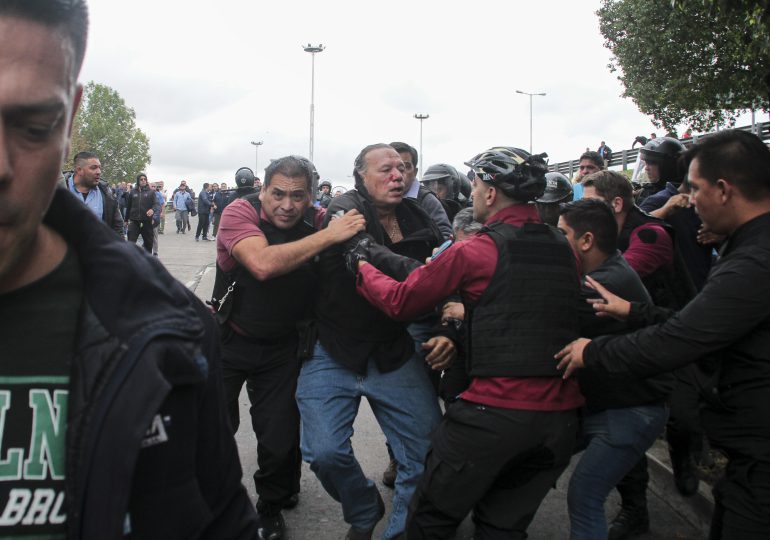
312 49
530 112
421 117
256 160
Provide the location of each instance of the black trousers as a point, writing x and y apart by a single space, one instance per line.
742 501
203 226
270 373
136 227
500 463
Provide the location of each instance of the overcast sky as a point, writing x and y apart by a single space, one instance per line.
206 78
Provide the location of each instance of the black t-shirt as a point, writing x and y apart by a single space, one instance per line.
38 337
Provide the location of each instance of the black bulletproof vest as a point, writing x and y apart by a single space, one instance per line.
669 287
529 310
272 308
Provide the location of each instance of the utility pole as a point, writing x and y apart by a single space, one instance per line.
421 117
312 49
530 113
256 160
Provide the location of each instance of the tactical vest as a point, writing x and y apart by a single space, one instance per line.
269 309
670 287
529 310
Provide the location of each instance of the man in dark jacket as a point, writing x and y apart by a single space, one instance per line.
266 248
729 321
622 417
204 209
362 352
142 205
86 182
113 404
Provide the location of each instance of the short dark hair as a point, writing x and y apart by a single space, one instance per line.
69 16
594 216
734 155
402 147
80 157
291 167
205 185
611 184
359 164
593 156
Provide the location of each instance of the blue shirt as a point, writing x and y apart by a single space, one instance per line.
179 200
93 200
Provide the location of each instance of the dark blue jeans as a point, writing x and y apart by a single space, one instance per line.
407 410
614 441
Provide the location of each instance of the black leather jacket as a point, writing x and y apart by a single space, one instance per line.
146 352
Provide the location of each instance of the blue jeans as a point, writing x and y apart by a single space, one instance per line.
406 407
614 440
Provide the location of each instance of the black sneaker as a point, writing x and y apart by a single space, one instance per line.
271 526
389 476
629 522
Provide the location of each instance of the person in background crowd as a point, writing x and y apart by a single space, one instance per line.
589 163
204 209
157 219
182 202
142 206
659 160
427 200
324 194
86 184
557 190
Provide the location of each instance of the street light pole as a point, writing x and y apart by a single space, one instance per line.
421 117
530 112
312 49
256 161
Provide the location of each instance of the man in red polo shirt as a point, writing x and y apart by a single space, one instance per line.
502 446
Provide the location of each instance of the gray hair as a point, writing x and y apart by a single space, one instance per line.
464 222
359 165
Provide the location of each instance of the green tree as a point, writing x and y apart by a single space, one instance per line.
106 126
696 62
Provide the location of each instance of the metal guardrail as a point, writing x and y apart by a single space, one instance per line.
626 158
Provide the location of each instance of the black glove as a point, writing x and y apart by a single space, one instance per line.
358 251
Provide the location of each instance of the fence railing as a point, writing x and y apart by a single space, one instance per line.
624 158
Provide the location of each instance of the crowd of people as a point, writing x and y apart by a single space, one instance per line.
500 323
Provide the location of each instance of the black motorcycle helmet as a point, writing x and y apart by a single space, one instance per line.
443 174
244 177
514 171
557 189
665 152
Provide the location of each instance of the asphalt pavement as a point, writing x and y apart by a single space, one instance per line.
319 517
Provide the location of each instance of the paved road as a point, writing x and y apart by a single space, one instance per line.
318 516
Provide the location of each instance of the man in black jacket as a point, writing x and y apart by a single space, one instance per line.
266 248
362 352
112 418
622 417
728 321
141 206
87 184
